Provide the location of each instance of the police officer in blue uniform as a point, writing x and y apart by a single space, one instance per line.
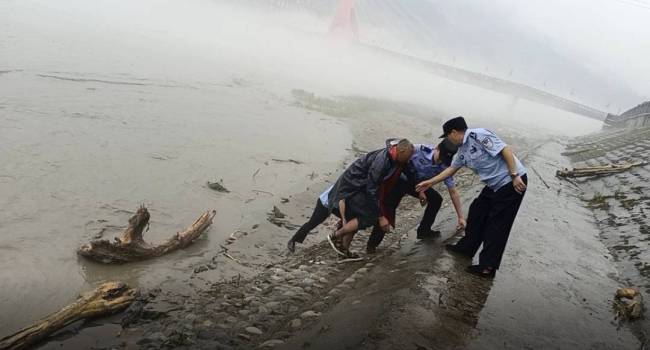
493 212
426 162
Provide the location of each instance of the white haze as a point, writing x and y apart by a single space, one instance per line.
611 36
206 42
588 51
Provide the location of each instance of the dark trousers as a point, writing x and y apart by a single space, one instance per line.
320 214
402 188
489 221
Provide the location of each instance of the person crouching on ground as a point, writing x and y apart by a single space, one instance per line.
359 186
321 213
356 195
493 212
427 161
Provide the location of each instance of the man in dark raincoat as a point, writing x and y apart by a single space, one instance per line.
359 194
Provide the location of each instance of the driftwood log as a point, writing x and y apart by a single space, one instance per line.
628 303
106 299
597 170
130 246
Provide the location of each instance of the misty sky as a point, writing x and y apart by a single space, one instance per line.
592 51
608 35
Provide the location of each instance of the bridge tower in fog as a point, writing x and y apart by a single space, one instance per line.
344 26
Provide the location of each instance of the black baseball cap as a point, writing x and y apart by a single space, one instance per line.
446 151
457 123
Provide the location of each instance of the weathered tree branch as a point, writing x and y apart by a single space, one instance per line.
130 246
106 299
597 170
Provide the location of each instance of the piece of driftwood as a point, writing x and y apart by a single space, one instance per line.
597 170
349 260
287 161
130 246
628 303
106 299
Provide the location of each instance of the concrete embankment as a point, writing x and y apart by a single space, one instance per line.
620 203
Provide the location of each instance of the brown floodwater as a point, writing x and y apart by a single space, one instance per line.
86 136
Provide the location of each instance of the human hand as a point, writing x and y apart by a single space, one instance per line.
519 185
423 186
461 224
384 224
423 198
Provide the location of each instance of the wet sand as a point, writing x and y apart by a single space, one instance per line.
619 204
186 294
404 275
80 157
554 290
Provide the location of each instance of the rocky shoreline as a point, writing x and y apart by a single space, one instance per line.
257 312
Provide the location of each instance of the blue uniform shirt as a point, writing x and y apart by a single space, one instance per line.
480 152
423 167
323 197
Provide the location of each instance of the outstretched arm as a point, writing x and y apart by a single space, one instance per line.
425 185
455 199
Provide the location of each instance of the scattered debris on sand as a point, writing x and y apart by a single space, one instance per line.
287 161
234 236
218 186
597 170
277 213
130 246
106 299
628 304
278 218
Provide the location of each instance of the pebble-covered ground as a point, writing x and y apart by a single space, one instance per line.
262 311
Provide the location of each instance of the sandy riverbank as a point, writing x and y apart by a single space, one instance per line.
554 289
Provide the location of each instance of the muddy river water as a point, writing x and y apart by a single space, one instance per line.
110 105
87 136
